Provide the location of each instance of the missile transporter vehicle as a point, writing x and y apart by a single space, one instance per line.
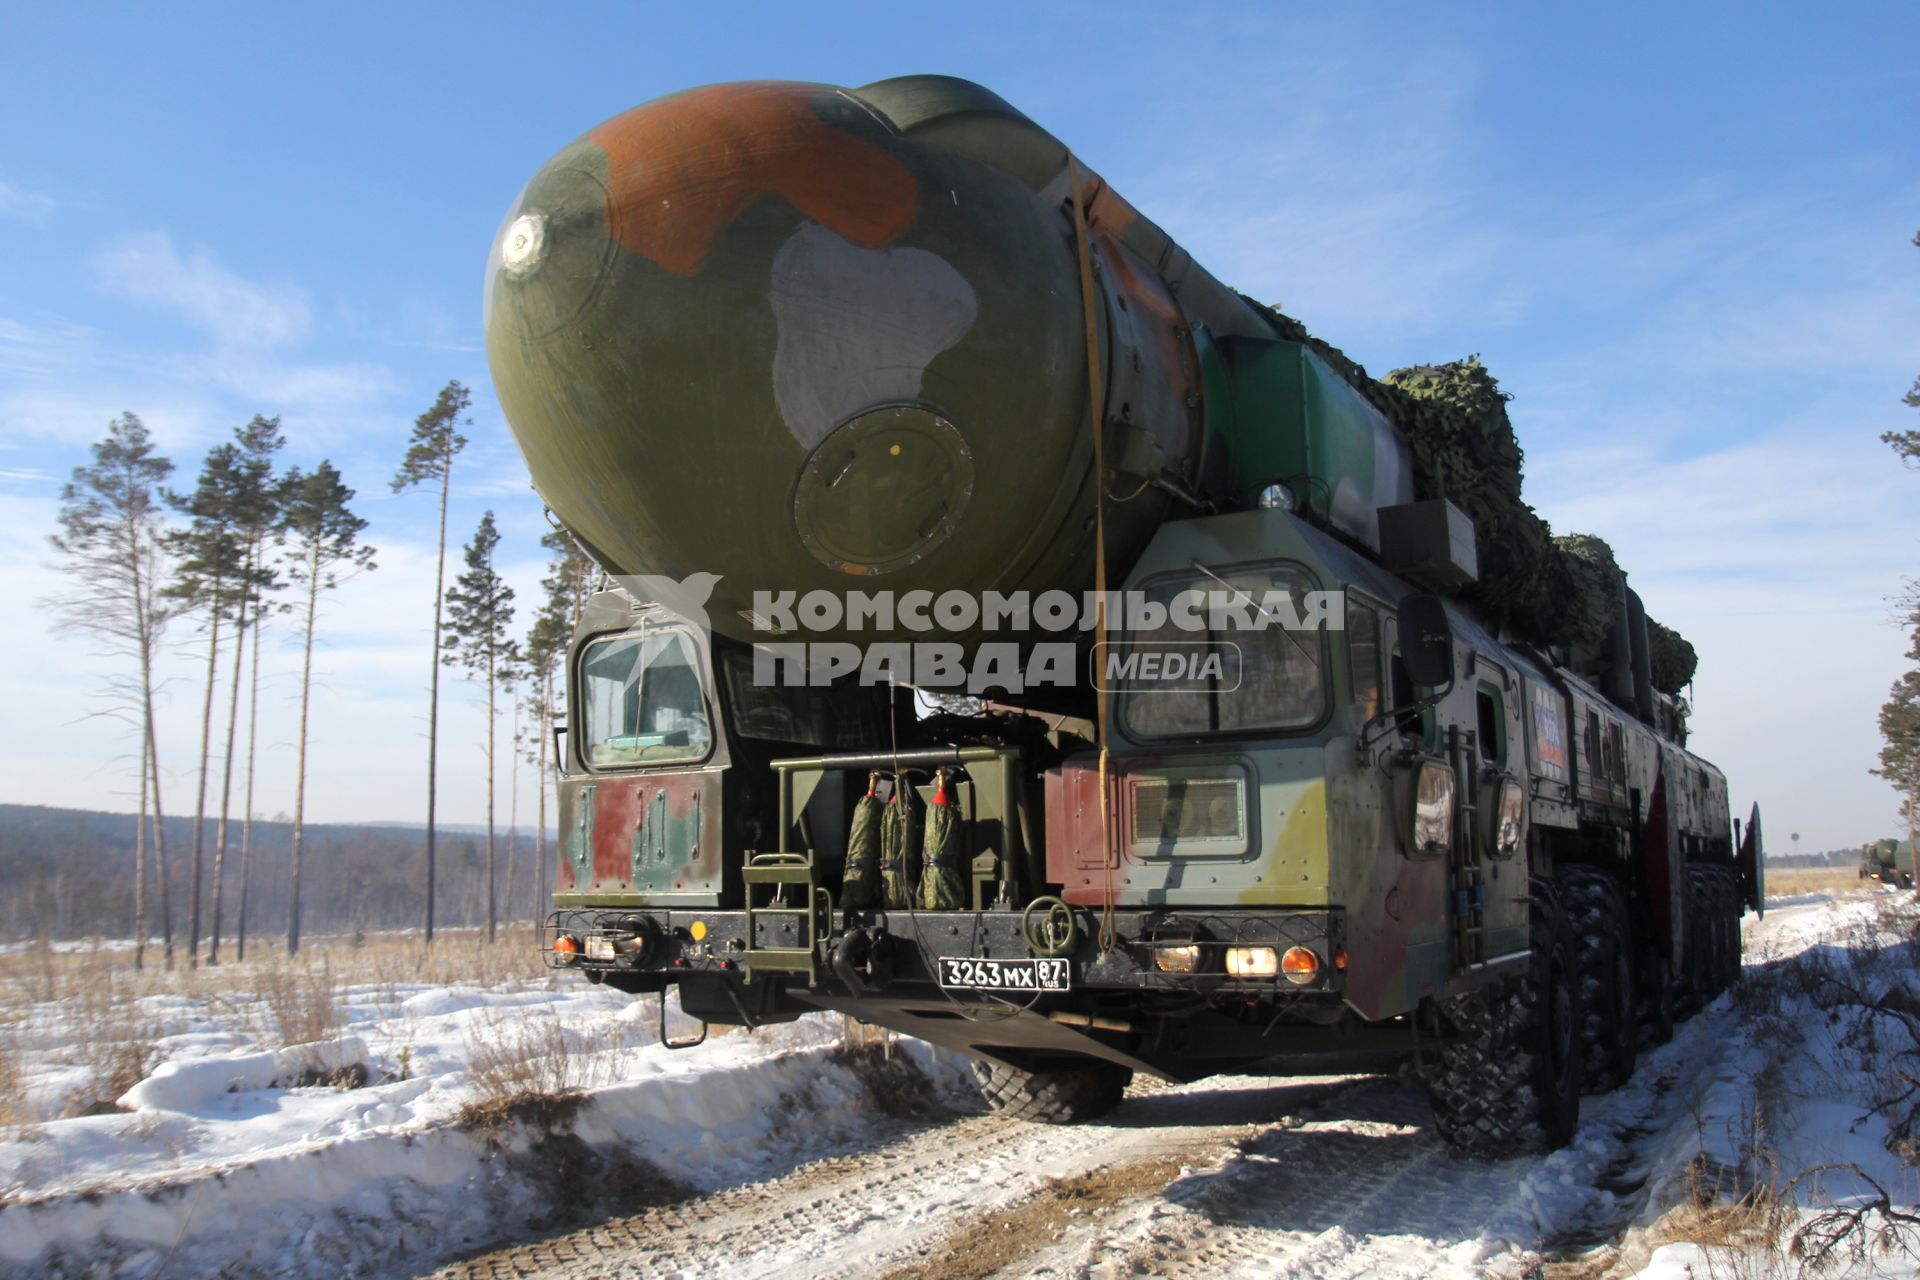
1881 861
851 390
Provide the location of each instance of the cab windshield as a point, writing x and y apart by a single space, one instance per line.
643 700
1205 670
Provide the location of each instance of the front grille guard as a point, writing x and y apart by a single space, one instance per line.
1322 932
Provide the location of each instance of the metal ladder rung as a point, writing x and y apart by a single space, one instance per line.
778 875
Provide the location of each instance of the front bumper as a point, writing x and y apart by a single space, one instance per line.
863 953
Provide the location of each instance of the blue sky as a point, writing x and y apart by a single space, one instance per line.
1680 235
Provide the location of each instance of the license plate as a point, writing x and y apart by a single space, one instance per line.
1005 975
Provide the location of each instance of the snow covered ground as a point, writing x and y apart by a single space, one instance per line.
349 1153
237 1155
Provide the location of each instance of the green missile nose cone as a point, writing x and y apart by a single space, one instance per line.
759 330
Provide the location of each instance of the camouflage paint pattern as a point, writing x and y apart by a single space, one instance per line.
654 833
879 291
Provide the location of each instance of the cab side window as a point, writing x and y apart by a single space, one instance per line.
1493 724
1363 658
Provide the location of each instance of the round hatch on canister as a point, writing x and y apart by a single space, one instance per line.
883 490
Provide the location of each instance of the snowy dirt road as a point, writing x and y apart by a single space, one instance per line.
1325 1176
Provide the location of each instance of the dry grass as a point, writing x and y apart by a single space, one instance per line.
526 1065
15 1108
93 991
41 973
302 1000
116 1044
1793 881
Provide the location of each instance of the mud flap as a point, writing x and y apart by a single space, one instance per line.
1752 866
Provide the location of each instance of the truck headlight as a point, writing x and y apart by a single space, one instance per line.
1252 962
1433 809
599 947
1181 959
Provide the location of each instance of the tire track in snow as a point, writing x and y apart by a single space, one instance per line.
1336 1177
859 1212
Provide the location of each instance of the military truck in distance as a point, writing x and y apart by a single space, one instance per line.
1880 860
788 338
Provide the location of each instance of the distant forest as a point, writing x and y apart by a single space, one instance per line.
68 873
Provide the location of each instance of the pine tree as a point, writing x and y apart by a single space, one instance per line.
479 611
109 548
209 554
430 454
246 821
323 533
255 510
1900 716
1907 443
566 584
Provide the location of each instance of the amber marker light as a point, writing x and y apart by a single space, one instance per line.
1300 966
698 930
566 948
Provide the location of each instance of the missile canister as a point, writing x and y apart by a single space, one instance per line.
808 337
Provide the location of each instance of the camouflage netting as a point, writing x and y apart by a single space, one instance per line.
1454 417
1554 591
1597 586
1673 659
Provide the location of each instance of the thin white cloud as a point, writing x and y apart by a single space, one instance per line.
25 206
234 311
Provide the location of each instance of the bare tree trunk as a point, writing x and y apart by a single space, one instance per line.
545 731
226 772
246 823
513 815
140 867
159 822
433 706
200 799
300 785
149 753
490 772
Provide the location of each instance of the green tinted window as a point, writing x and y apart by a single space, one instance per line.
1249 673
643 701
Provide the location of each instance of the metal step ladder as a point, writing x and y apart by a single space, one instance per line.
773 883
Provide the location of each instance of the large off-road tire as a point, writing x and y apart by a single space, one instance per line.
1730 922
1075 1090
1605 971
1693 978
1706 975
1656 998
1506 1080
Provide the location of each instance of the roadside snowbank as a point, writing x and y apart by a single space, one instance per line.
236 1160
